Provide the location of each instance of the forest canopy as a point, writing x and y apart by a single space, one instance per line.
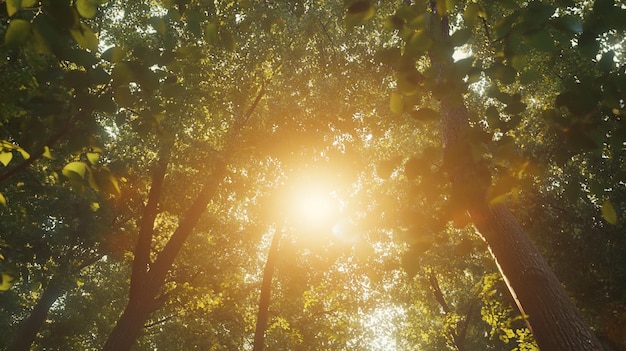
312 175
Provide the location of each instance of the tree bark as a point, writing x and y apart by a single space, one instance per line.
28 329
552 316
266 290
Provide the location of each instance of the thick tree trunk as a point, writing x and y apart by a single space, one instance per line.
552 316
266 290
28 329
128 327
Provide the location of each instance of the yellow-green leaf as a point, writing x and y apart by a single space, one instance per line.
114 54
396 103
85 37
87 8
17 33
3 200
46 153
15 5
74 169
24 153
93 157
608 212
210 33
5 158
359 12
6 282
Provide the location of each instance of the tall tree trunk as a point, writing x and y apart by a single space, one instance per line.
148 276
28 328
552 316
266 290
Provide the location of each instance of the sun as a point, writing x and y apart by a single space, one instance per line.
311 202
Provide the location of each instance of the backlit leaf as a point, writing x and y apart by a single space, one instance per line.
17 33
6 282
396 103
13 6
46 153
114 54
608 212
5 158
73 170
359 12
87 8
23 152
93 157
85 37
3 200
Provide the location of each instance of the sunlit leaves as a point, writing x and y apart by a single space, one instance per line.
13 6
3 200
608 212
75 171
358 12
18 32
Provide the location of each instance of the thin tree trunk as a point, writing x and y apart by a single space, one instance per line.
266 290
28 329
552 316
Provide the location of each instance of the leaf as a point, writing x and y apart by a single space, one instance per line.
3 200
419 42
211 34
6 282
13 6
608 212
568 23
159 24
460 37
85 37
46 153
540 40
87 8
396 103
23 152
471 13
106 182
359 12
17 33
113 54
5 158
93 157
75 170
425 114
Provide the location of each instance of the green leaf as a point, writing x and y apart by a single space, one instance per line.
608 212
159 24
396 103
75 170
6 281
114 54
17 33
25 155
5 158
3 200
106 182
87 8
460 37
46 153
93 157
211 34
358 12
85 37
419 42
470 15
540 40
13 6
568 23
